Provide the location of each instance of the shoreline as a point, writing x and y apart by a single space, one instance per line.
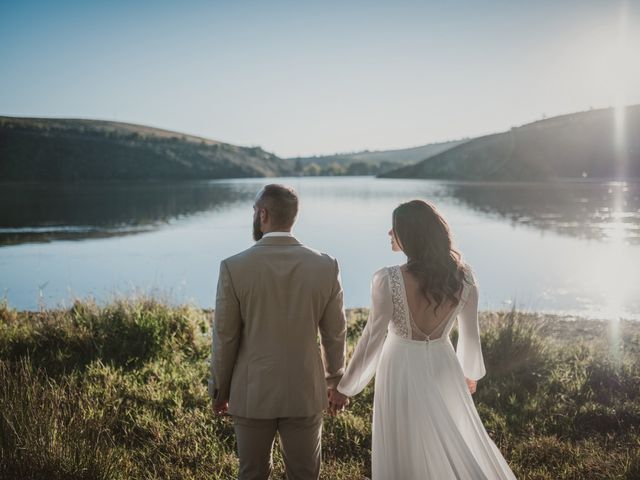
562 317
557 326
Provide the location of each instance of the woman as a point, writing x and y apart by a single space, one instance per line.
425 424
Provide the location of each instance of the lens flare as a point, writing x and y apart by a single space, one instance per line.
622 61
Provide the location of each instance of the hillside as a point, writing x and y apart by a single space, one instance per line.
44 149
371 162
579 145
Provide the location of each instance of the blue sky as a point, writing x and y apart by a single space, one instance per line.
303 78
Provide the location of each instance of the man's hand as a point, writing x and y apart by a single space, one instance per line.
337 401
472 385
220 407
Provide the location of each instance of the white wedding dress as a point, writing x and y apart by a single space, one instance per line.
425 424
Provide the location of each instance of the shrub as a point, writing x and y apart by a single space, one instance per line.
125 333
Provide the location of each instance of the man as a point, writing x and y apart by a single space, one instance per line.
268 370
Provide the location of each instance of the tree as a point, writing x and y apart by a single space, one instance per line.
360 168
312 170
334 169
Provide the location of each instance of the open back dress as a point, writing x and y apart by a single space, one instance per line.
425 424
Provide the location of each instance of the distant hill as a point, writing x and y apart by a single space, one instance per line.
46 149
377 161
579 145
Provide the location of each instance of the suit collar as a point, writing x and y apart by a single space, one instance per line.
277 241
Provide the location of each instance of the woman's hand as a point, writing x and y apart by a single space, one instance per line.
472 385
337 401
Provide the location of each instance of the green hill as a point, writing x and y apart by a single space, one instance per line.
579 145
46 149
372 162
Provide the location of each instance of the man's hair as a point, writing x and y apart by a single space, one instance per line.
281 201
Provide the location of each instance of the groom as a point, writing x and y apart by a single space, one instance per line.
268 370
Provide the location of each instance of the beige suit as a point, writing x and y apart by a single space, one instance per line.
272 301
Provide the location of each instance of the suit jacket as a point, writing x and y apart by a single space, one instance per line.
272 301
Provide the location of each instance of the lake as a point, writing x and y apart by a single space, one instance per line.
571 248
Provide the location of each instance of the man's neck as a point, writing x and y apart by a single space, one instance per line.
278 233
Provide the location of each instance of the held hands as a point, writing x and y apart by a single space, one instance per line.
220 406
472 385
337 401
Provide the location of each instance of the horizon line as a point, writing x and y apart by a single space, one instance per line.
335 153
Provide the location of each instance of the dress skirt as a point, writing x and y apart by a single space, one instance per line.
425 424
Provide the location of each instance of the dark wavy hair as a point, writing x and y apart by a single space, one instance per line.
423 235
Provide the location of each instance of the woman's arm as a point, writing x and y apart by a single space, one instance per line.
365 358
469 350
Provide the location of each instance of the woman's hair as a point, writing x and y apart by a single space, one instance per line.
423 235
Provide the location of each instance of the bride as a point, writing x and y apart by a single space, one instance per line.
425 424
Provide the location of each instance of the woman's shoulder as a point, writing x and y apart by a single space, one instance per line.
384 274
469 275
385 271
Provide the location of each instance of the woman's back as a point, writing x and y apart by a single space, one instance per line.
428 320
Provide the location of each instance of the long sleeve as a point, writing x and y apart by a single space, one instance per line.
469 350
227 327
365 358
333 334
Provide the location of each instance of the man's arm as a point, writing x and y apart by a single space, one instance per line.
333 334
227 327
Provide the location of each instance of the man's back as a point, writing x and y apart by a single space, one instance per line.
272 300
268 370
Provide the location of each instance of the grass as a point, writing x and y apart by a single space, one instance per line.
119 392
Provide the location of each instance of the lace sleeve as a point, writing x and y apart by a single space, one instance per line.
468 350
365 358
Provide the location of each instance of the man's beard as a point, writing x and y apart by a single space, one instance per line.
257 233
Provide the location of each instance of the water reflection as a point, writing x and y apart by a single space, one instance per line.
601 211
171 238
42 213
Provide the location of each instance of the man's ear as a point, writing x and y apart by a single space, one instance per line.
264 215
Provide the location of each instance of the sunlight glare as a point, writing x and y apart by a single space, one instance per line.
622 63
614 274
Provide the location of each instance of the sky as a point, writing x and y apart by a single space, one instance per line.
319 77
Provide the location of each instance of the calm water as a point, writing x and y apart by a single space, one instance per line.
571 248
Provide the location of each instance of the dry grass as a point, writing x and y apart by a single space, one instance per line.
119 392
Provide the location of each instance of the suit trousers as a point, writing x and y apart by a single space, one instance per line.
299 442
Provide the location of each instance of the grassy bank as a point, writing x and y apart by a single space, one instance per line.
120 392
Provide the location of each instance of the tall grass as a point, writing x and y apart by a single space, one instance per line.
44 435
119 392
126 333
